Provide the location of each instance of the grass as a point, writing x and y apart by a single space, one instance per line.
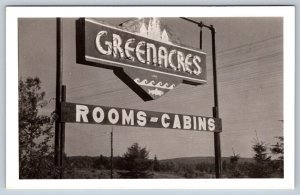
105 174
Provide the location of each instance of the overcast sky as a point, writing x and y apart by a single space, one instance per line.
250 75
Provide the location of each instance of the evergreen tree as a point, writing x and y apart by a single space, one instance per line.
262 166
234 170
156 166
278 150
136 162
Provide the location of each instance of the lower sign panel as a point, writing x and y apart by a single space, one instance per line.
91 114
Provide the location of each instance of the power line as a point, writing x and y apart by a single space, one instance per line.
249 44
218 53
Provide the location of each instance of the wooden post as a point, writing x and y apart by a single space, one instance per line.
217 141
62 136
57 140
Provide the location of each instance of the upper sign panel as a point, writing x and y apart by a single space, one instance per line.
150 67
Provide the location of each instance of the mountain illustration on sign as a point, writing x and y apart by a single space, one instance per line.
151 28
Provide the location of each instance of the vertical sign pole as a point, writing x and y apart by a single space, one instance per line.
217 142
201 25
57 160
62 144
111 152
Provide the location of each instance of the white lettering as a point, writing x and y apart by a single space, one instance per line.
100 118
113 116
195 122
170 59
211 124
188 63
163 120
148 53
129 49
187 122
127 118
177 123
138 51
81 112
180 61
196 61
141 118
107 43
151 47
117 41
163 56
202 123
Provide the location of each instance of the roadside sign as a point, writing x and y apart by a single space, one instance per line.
149 67
104 115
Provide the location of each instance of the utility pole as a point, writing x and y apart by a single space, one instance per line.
111 152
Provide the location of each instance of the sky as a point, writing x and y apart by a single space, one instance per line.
250 84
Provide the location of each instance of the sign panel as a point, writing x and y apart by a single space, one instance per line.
149 67
92 114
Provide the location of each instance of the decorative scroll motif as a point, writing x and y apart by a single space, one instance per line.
153 84
156 92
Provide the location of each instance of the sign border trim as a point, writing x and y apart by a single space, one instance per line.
151 70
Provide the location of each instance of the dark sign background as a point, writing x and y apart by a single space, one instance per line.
128 70
86 35
68 114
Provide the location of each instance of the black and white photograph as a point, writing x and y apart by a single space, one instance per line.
178 97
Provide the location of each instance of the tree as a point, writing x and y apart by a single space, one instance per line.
156 166
234 169
224 166
136 162
262 166
101 162
278 150
35 132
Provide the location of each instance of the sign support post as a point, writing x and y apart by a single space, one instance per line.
62 137
217 140
58 124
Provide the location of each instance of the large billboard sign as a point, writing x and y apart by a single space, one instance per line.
93 114
149 67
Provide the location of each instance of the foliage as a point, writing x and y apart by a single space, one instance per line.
156 165
205 167
278 150
102 162
234 168
261 168
167 166
224 165
35 132
187 170
136 162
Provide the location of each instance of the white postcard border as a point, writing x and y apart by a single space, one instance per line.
12 170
